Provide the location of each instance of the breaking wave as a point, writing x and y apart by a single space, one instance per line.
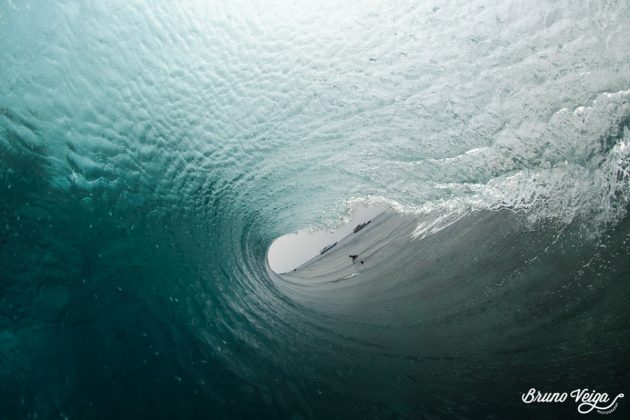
151 152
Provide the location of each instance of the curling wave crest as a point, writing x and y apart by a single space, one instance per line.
151 151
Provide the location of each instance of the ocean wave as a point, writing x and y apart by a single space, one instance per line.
150 153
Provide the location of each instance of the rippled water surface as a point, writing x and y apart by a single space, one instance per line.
151 152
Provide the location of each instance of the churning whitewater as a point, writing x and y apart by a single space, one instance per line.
152 151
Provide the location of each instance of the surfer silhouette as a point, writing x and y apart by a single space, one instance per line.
354 257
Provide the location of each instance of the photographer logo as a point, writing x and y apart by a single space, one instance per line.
586 400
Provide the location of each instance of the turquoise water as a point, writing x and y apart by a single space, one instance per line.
151 151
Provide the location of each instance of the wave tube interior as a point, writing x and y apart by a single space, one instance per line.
151 152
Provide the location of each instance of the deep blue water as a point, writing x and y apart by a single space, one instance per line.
151 151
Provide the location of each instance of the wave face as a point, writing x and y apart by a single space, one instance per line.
151 151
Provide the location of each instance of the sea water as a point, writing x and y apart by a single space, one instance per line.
152 151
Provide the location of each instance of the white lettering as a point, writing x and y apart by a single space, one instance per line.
587 400
529 397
